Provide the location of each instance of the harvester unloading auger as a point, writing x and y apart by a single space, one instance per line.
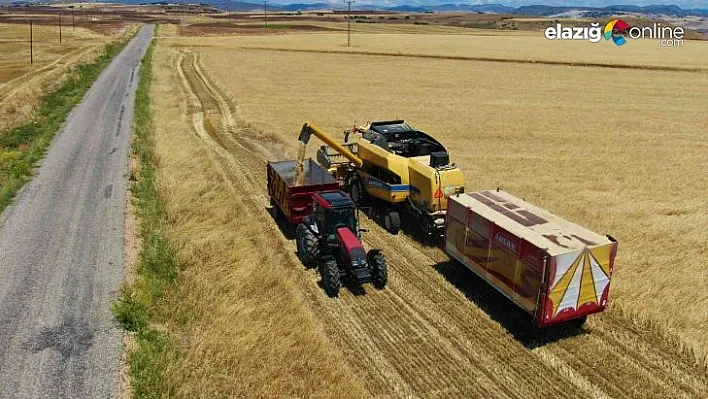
395 169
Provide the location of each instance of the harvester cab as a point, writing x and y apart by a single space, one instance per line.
329 238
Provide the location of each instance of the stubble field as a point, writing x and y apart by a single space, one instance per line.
619 150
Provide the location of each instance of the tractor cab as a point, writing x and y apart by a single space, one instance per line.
334 210
329 239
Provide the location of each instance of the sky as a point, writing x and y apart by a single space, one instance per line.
515 3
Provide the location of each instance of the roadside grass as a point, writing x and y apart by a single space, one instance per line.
23 146
140 306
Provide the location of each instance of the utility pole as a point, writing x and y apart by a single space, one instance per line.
265 13
73 24
349 22
31 43
59 28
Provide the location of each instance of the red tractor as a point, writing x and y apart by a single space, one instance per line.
329 238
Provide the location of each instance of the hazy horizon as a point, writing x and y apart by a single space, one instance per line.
686 4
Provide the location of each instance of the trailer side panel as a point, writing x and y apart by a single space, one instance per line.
295 202
553 269
511 265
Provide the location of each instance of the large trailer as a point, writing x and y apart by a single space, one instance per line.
295 201
553 269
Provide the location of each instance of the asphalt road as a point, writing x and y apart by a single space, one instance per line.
61 249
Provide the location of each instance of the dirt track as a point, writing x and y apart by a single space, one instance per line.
437 330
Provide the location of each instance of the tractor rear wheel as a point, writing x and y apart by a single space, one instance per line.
329 271
307 248
379 270
392 222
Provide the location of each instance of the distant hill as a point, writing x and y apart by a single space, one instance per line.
671 10
484 8
415 6
237 6
305 7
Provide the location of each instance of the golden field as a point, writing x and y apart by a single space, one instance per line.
621 151
475 43
21 84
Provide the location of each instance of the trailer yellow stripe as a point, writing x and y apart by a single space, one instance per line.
561 287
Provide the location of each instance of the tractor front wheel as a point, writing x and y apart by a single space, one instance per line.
392 222
307 248
329 271
379 271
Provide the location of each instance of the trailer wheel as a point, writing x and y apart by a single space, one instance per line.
392 222
379 270
329 271
579 322
275 210
307 249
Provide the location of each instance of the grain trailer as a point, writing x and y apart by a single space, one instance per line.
553 269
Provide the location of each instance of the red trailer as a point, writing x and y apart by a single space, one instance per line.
295 202
555 270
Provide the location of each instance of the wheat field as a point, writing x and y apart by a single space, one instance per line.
21 84
619 150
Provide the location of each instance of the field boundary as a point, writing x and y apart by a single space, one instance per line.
484 59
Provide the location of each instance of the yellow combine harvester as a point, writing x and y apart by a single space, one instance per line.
395 169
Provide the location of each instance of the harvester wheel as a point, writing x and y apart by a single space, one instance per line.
357 192
379 271
329 271
392 222
307 249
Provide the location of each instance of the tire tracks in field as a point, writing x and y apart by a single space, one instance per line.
11 87
621 359
421 336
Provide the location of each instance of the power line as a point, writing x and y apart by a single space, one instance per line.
31 43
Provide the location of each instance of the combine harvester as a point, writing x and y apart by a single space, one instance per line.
553 269
395 169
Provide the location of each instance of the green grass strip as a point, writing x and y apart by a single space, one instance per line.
143 305
22 147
